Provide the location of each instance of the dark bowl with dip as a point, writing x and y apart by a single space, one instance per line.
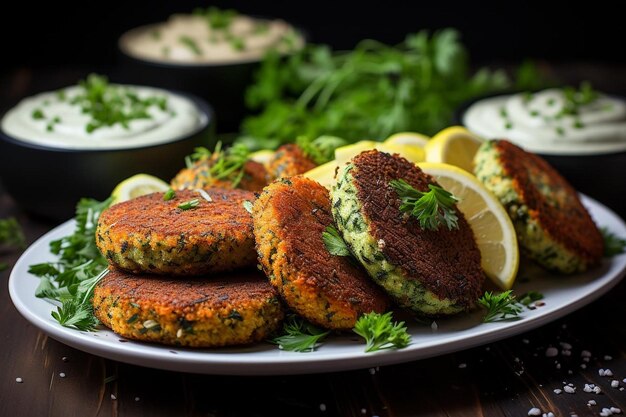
49 181
601 176
223 84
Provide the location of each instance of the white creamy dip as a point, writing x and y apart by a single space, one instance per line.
541 122
51 119
190 39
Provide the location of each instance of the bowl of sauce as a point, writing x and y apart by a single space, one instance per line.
211 52
580 131
81 141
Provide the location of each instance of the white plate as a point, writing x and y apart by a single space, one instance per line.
562 296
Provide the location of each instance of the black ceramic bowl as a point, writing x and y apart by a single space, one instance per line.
222 84
600 176
48 182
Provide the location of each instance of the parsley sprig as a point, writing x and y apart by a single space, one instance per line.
381 333
613 245
299 335
11 234
334 243
432 208
321 149
80 265
500 307
225 164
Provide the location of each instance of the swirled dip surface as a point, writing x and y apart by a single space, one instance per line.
552 121
55 119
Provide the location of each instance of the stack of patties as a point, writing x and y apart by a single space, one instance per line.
171 261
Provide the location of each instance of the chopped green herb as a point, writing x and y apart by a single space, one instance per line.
38 114
503 113
169 194
334 243
551 102
226 164
191 44
248 206
321 149
166 51
77 311
155 34
578 124
299 335
61 95
11 234
530 297
188 205
261 27
534 113
50 126
219 19
613 245
500 307
559 131
380 333
508 125
432 208
238 44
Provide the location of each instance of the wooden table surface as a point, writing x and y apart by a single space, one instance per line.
506 378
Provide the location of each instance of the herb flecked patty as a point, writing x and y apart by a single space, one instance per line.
199 312
432 272
289 160
148 234
198 176
552 225
328 290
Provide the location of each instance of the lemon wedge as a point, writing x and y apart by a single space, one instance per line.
136 186
455 146
492 227
262 156
408 138
325 173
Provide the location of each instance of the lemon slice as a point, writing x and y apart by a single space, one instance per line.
262 156
454 145
492 227
408 138
136 186
325 173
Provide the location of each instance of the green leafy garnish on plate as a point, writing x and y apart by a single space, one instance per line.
299 335
500 307
381 333
432 208
613 245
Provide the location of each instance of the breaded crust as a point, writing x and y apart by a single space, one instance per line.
200 312
255 177
431 272
553 226
148 234
289 160
328 290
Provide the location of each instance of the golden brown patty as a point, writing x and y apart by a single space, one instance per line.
198 176
148 234
200 312
289 160
431 272
289 218
553 226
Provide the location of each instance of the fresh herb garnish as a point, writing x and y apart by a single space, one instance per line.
370 92
188 205
613 245
380 333
108 105
321 149
530 297
577 98
334 243
50 126
38 114
219 19
191 44
500 307
432 208
169 194
224 164
71 279
237 43
248 206
11 234
299 335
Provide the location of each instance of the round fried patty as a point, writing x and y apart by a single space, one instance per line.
148 234
198 176
289 218
432 272
552 225
200 312
289 160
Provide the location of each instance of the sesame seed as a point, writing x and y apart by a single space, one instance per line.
614 383
591 402
551 352
19 380
113 397
615 410
558 391
179 333
608 357
62 374
434 326
462 365
585 354
322 407
137 398
148 324
569 390
534 412
381 244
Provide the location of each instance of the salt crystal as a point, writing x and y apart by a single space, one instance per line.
534 412
569 390
615 410
585 354
551 352
557 391
462 365
614 383
566 345
322 407
608 357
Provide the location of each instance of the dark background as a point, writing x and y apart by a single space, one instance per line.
85 34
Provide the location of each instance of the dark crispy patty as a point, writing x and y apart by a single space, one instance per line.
198 176
289 160
148 234
431 272
553 226
200 312
328 290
